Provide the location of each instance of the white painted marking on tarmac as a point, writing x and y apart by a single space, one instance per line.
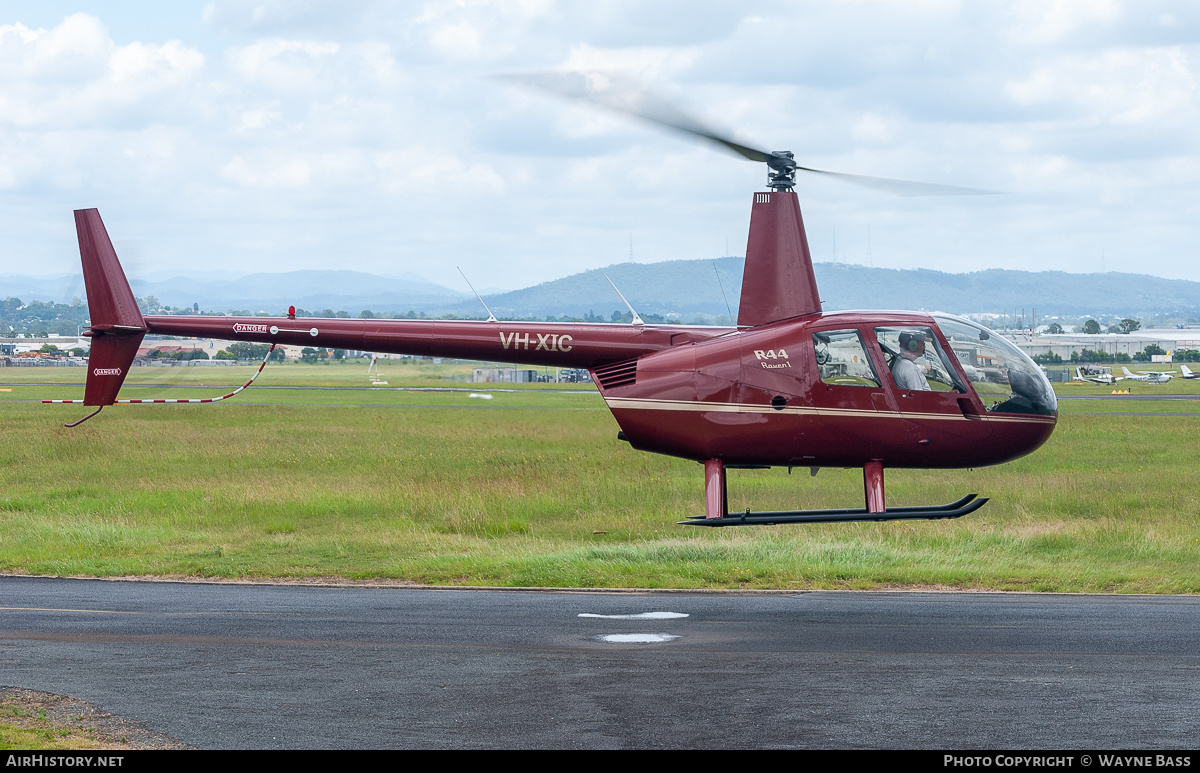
639 616
637 638
479 396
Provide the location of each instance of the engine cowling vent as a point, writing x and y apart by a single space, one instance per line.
617 375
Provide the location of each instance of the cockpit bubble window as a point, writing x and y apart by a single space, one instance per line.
1004 377
916 359
842 359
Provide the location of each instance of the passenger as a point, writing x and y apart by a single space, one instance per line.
906 372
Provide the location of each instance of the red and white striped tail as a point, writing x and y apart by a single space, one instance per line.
174 401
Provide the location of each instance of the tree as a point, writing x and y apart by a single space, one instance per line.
1129 325
225 355
1054 329
1153 349
244 350
49 349
1091 327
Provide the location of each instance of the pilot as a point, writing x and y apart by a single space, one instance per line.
906 372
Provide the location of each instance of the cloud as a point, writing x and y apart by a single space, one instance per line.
279 133
75 75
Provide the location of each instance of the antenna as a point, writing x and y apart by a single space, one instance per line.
869 247
722 286
491 316
636 319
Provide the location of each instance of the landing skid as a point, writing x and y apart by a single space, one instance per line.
968 504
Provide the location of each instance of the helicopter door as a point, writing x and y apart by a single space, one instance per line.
848 388
929 387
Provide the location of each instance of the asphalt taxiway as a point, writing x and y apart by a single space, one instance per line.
254 666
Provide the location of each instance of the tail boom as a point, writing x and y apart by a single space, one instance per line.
565 345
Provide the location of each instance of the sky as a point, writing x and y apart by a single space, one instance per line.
278 135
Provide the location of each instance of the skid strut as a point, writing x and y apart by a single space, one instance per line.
716 505
716 490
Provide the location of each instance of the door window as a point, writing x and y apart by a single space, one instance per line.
916 359
842 359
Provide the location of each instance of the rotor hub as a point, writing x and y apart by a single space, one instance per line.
782 176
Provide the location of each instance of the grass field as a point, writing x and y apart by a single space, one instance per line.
532 488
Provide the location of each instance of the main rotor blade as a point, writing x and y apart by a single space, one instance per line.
624 96
901 187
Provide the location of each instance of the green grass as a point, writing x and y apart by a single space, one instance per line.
442 488
1176 386
408 373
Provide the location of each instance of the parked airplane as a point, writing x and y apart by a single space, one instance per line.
1096 375
1149 377
1187 373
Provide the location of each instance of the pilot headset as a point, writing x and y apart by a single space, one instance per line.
911 341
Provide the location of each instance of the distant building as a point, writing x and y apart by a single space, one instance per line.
575 376
1067 344
504 376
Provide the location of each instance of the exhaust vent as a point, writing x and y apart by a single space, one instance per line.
617 375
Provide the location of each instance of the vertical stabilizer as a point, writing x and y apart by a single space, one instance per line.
116 326
778 282
110 301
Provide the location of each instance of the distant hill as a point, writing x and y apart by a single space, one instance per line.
685 287
688 287
997 290
351 291
678 287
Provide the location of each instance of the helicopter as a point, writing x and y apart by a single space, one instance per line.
789 385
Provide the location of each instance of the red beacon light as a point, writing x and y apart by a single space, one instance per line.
291 312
